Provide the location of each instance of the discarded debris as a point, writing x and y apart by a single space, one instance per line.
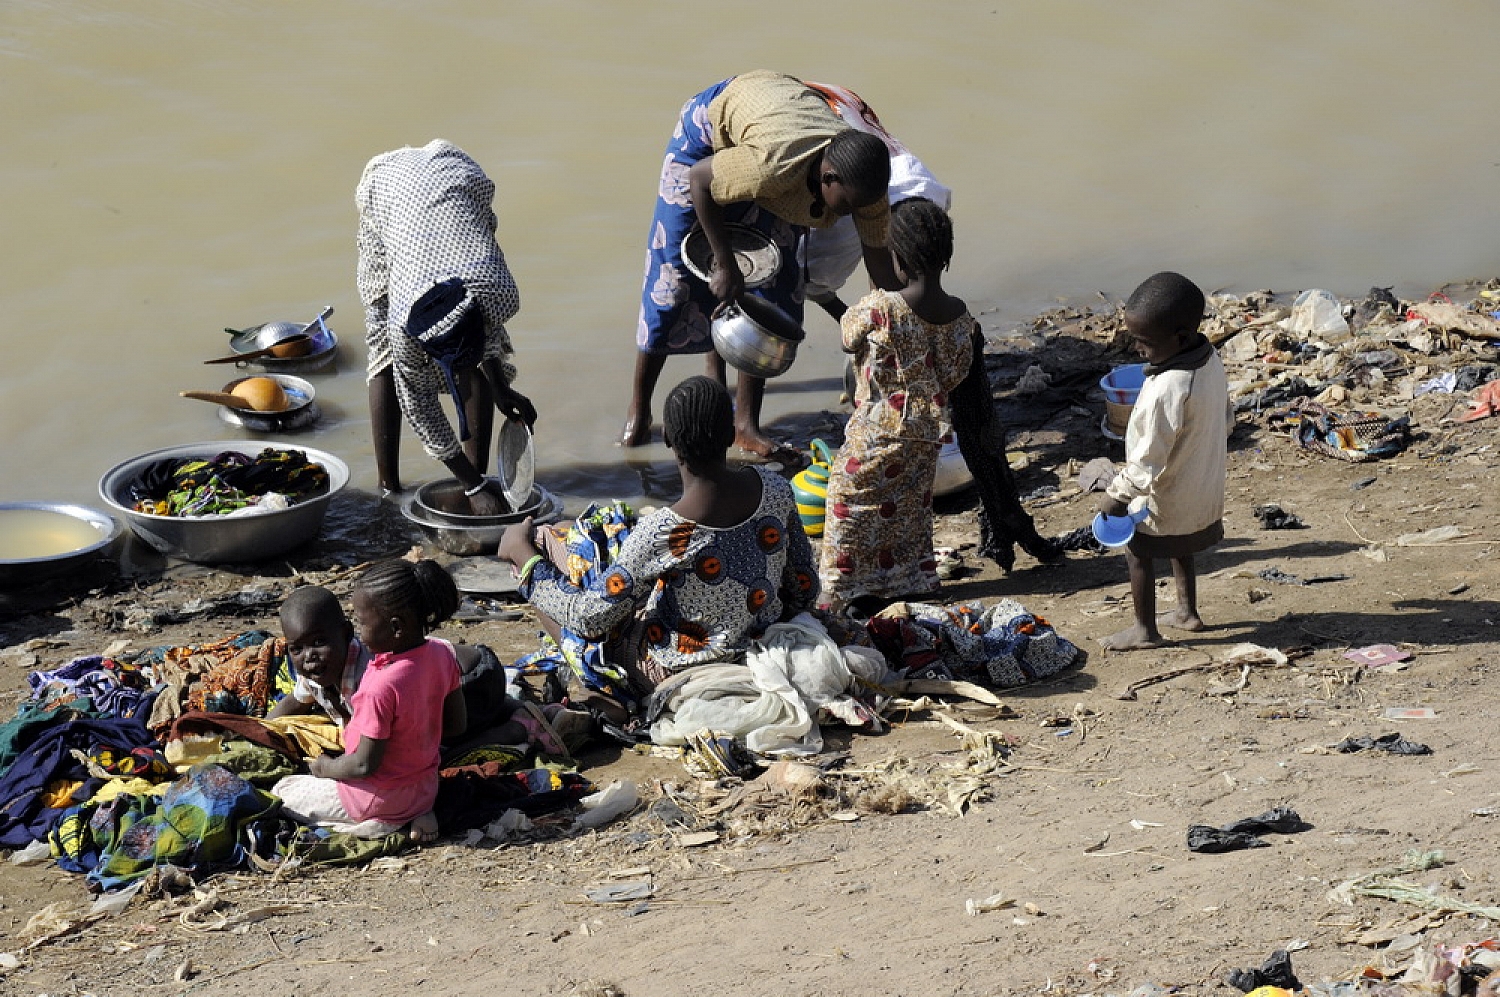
1394 744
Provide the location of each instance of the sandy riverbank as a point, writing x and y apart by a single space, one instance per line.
1083 827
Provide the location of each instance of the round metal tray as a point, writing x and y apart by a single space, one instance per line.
756 254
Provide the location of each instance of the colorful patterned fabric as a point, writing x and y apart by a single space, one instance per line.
249 684
197 825
687 594
116 688
176 669
223 484
1001 646
877 533
676 306
593 542
1357 437
28 804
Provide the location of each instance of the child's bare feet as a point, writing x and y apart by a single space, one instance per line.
1180 619
1135 638
424 829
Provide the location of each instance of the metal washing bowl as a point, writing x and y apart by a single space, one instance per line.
218 539
27 570
484 536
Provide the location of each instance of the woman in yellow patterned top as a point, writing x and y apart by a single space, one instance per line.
765 150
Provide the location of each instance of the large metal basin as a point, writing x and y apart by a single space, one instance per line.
219 539
97 533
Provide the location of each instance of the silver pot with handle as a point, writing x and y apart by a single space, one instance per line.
756 337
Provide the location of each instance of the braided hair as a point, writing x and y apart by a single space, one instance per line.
698 421
862 162
921 235
422 592
1168 299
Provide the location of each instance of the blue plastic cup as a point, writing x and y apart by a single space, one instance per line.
1116 531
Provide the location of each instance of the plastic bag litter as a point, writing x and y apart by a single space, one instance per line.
37 851
618 798
508 825
113 903
1437 534
1318 313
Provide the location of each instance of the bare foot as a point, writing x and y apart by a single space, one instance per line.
1180 619
637 431
760 445
1135 638
424 829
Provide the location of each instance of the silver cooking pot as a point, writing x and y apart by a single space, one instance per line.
756 337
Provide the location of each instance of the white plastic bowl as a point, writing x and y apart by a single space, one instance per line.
219 539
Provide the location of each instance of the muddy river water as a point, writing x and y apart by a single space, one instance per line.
172 168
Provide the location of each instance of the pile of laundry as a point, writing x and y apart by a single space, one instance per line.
118 766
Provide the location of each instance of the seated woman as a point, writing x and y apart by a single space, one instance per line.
695 582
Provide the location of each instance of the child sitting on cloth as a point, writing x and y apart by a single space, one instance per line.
1175 454
328 658
407 701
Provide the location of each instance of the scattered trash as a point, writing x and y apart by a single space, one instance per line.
510 824
994 901
1362 484
1276 972
1393 743
32 854
1444 383
1376 655
1243 833
618 798
1280 577
1436 535
1464 768
1317 314
1274 517
697 839
1486 403
616 893
1409 713
1353 436
113 903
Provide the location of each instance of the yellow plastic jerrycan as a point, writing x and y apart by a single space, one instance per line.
810 487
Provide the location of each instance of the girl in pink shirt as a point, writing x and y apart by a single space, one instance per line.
407 702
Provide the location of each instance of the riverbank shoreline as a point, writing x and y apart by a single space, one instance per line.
1080 830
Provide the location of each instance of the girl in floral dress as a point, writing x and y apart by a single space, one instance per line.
911 347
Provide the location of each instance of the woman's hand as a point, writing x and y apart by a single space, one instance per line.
516 545
514 405
322 767
489 501
727 283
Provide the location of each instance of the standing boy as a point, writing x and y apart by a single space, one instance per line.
1175 454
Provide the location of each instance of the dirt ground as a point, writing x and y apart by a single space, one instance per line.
1081 831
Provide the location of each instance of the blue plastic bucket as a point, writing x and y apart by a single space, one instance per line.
1121 386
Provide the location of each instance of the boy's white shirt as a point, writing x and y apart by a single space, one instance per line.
1176 451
